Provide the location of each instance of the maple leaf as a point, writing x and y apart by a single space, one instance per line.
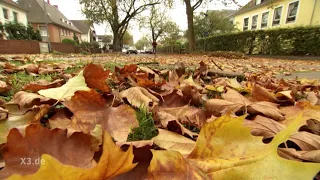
44 141
89 109
112 163
96 77
66 91
225 149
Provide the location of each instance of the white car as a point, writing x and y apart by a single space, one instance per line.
124 50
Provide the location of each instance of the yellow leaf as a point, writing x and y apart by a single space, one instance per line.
225 149
66 91
112 163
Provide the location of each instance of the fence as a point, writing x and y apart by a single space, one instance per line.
33 47
19 47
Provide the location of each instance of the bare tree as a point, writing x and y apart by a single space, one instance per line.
118 14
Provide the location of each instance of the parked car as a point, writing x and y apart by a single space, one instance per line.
132 50
124 50
149 51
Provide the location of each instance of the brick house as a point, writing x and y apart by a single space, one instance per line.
59 26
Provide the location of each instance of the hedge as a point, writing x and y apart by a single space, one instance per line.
282 41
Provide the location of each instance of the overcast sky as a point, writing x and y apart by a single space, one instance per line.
72 10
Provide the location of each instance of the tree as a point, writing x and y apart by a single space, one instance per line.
143 42
191 6
211 23
118 13
127 39
157 22
18 31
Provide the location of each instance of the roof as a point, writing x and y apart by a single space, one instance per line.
82 25
227 12
13 4
252 5
36 14
105 38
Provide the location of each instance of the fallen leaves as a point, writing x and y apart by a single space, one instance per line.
112 163
147 110
226 150
67 90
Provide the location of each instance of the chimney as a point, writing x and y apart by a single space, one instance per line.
56 6
48 1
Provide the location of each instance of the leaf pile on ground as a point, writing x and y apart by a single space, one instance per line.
85 121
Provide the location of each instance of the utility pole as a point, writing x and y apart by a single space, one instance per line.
46 20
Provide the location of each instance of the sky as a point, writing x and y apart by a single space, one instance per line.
72 10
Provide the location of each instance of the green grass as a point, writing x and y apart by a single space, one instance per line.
78 66
20 79
146 129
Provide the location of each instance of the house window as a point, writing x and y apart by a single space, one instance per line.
277 16
5 13
43 31
15 17
292 11
264 19
254 22
245 24
62 32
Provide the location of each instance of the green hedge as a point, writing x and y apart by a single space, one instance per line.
282 41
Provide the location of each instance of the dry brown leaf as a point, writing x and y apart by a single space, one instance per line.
139 97
188 115
96 77
172 123
218 107
20 150
89 109
27 100
311 156
4 87
172 141
262 94
43 84
191 95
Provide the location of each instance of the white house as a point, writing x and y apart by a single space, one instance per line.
88 34
12 12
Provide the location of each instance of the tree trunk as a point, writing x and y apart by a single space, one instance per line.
191 37
116 41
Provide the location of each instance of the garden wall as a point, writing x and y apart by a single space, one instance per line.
19 47
286 41
63 47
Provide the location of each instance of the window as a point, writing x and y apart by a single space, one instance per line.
264 19
5 13
292 11
62 32
15 17
254 22
245 24
43 31
277 16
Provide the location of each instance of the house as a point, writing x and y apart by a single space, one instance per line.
59 27
262 14
104 40
88 34
11 12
